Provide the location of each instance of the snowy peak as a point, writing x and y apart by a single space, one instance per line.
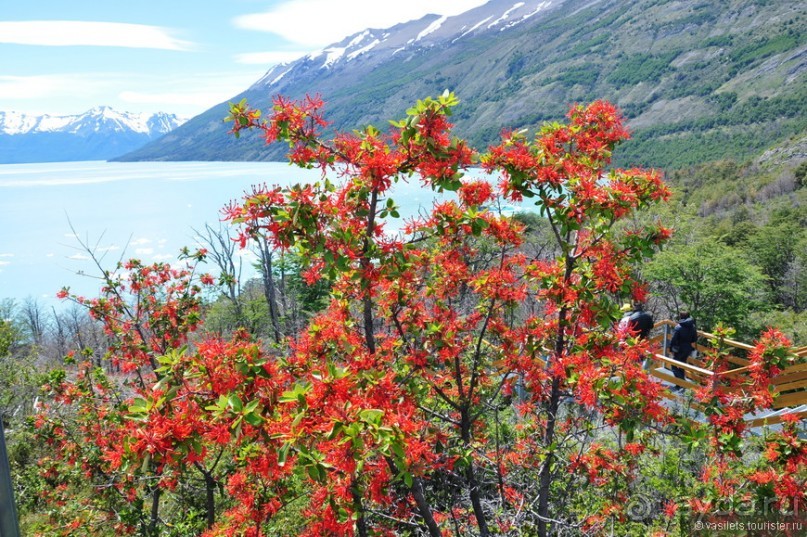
374 46
101 119
98 134
381 41
17 123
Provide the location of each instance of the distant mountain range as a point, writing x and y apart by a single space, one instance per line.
698 80
98 134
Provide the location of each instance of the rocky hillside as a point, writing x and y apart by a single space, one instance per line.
98 134
698 80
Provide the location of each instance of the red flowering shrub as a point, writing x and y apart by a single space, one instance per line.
420 342
775 483
452 385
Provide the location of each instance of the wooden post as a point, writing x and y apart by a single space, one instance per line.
8 511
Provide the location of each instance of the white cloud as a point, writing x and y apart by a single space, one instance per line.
163 257
27 87
79 257
198 92
144 251
89 33
75 93
269 58
139 242
4 263
6 255
38 87
322 22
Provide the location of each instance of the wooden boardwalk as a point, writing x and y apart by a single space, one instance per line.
789 386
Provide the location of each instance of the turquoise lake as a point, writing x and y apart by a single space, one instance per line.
146 210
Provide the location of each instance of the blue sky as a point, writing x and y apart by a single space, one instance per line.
64 57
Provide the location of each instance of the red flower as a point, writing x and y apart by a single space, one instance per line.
475 193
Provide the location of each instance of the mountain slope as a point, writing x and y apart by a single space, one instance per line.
98 134
697 80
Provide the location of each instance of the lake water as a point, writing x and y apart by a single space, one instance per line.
146 210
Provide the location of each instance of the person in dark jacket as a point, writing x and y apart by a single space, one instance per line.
683 343
639 321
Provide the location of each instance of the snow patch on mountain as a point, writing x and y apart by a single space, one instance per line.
473 28
279 77
540 7
358 39
433 27
265 79
271 77
332 55
506 14
364 49
53 123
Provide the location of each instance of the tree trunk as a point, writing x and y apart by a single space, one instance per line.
284 306
424 508
269 287
366 263
470 475
154 518
545 477
210 499
361 523
419 494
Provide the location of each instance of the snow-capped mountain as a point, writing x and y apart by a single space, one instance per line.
98 134
688 76
406 39
334 70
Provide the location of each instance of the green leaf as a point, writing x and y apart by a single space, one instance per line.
139 406
235 403
283 454
335 430
296 394
398 449
371 415
313 472
342 515
253 419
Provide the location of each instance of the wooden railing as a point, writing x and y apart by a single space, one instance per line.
789 386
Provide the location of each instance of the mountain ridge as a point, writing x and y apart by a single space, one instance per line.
696 80
100 133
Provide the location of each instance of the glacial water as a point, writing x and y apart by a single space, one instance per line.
147 210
